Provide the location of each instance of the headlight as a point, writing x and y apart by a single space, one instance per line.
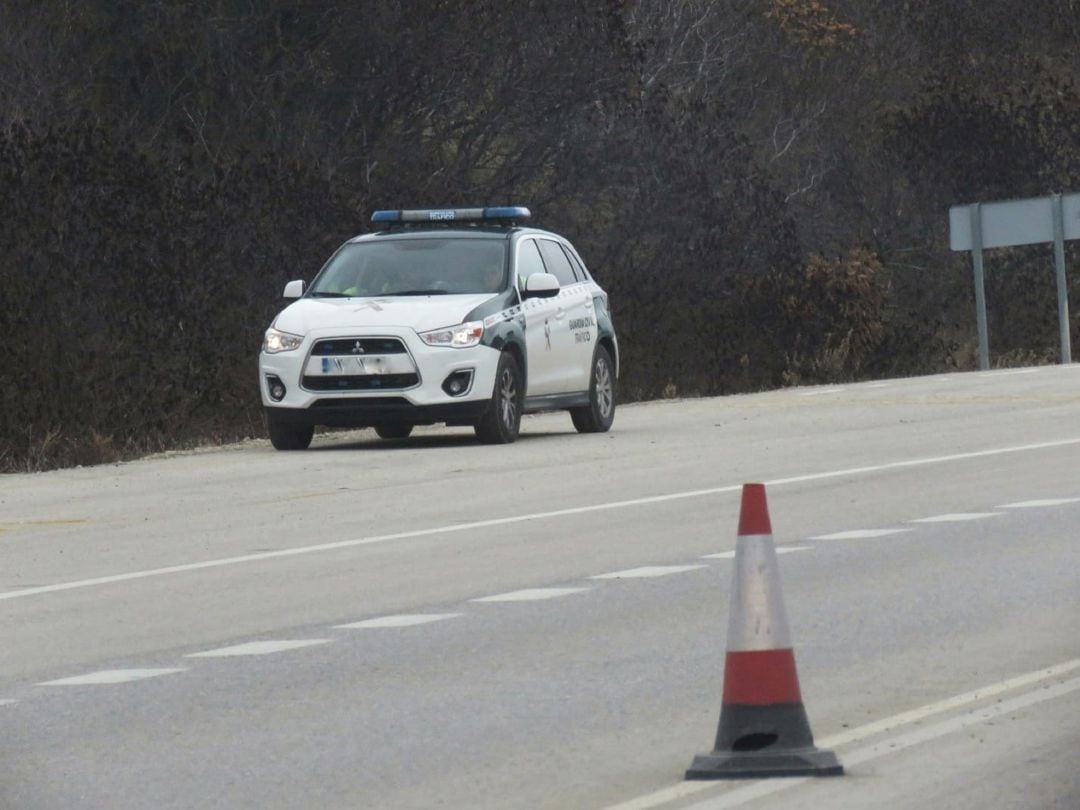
461 336
277 341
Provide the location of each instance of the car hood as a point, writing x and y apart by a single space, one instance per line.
419 312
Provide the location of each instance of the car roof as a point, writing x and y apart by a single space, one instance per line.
442 232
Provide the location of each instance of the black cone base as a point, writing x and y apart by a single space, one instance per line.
757 764
759 741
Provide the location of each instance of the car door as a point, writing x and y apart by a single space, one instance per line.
542 335
576 328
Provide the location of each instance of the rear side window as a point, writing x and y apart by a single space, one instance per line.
579 268
557 263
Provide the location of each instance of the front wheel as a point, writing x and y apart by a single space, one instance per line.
597 416
285 436
502 419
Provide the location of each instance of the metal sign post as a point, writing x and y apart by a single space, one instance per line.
980 286
1040 220
1062 288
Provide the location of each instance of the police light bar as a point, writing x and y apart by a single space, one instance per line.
453 214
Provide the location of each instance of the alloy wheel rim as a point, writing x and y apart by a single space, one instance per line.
508 399
604 397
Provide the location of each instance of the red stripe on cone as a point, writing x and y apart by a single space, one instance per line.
754 512
761 678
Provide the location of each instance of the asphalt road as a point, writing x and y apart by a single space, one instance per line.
435 623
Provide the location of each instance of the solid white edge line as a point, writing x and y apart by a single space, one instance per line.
683 790
484 524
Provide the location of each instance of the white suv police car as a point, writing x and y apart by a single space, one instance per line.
459 316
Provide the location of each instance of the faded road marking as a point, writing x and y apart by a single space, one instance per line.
403 620
259 648
860 534
530 595
111 676
1039 503
649 571
730 555
957 517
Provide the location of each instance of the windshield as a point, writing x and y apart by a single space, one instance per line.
437 266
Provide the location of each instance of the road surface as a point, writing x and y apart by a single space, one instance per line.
436 623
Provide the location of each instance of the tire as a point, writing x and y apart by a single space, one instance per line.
597 416
285 436
394 430
502 419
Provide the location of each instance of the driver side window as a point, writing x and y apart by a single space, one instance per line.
528 261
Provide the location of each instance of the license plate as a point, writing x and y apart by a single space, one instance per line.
353 366
342 366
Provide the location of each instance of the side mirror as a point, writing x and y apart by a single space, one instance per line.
541 285
294 289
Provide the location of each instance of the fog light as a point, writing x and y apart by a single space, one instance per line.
276 387
458 383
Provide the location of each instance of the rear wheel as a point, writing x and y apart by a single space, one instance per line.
393 430
597 416
502 419
286 436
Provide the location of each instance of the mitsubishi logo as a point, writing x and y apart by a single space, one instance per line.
357 348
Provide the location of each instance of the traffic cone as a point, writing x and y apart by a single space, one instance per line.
763 728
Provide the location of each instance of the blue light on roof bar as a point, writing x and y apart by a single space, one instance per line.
452 214
507 212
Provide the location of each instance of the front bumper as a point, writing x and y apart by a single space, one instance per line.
411 391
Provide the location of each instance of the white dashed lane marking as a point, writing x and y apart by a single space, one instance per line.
404 620
7 702
823 392
256 648
649 571
957 517
860 534
1039 503
110 676
530 595
730 555
259 648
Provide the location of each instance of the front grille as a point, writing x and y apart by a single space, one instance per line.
361 382
360 346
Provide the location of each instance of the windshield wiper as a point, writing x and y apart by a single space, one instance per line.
320 294
418 292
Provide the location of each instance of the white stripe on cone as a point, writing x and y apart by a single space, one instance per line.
757 619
